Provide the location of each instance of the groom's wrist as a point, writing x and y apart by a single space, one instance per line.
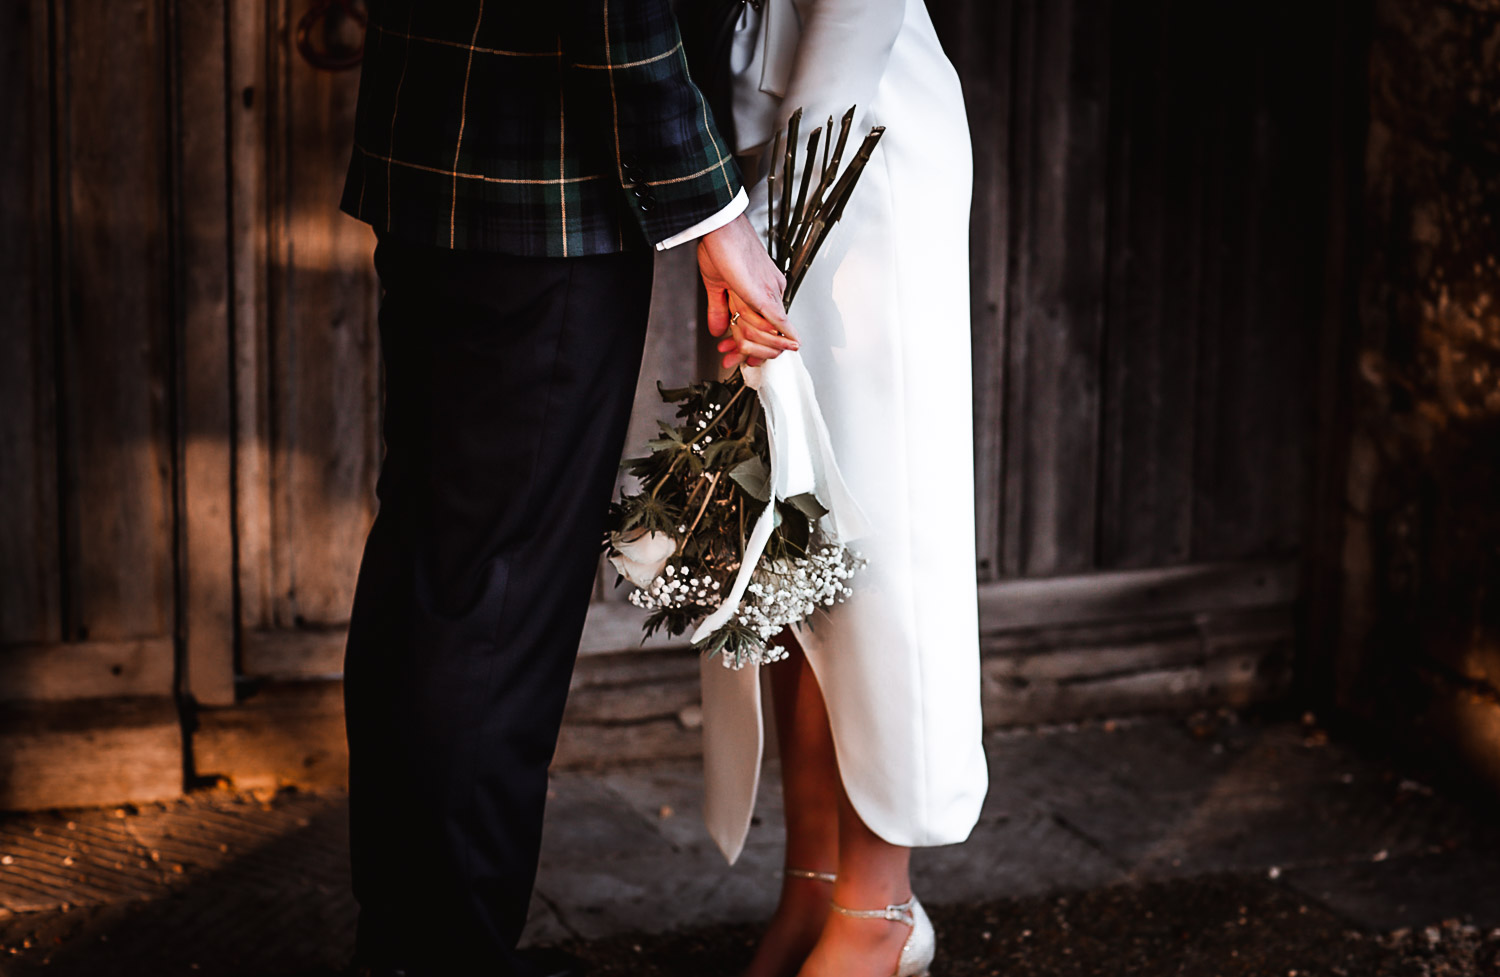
713 222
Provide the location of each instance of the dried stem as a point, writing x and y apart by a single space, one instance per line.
788 174
828 214
713 482
807 168
830 172
797 229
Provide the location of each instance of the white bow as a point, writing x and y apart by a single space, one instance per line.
783 26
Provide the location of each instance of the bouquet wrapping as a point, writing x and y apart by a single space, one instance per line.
742 523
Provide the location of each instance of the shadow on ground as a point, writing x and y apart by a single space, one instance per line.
1211 846
1216 926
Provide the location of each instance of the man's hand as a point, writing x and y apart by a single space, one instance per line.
744 286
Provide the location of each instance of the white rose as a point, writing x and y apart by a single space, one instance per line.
639 556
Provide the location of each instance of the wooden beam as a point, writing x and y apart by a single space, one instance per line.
53 672
31 598
87 754
1011 605
293 654
612 626
251 299
1174 663
1133 594
291 733
205 426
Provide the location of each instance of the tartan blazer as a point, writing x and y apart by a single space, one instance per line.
532 127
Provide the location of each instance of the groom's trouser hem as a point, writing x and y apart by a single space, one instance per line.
509 383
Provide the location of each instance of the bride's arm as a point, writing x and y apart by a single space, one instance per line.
841 56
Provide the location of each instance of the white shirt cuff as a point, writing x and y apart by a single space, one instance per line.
731 210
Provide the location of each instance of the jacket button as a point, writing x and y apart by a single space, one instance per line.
644 203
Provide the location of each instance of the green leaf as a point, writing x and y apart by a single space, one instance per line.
673 394
754 477
719 452
809 505
794 526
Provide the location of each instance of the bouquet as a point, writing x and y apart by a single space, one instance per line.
742 519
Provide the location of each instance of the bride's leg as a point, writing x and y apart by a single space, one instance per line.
811 800
872 874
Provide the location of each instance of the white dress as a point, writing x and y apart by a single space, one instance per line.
883 318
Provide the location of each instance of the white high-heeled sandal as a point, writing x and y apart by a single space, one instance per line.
920 947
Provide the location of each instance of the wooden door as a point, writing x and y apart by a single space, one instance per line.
1149 266
306 351
88 416
306 447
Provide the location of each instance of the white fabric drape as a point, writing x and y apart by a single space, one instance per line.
883 318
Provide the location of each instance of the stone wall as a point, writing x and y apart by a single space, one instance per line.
1422 541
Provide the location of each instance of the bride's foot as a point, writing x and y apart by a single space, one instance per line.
794 927
868 943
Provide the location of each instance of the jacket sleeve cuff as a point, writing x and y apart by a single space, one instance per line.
713 222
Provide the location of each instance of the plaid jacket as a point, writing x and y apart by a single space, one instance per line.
532 127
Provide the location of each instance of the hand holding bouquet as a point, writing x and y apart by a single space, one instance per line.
742 518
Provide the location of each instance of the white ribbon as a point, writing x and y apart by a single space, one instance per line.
801 461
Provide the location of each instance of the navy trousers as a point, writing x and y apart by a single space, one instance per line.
508 385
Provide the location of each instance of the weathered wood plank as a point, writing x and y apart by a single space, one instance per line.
205 410
978 37
1175 664
115 324
323 297
611 637
87 754
1149 385
640 707
667 665
1235 681
1084 652
634 703
1263 318
86 670
291 733
31 599
587 747
293 653
1135 594
1336 592
1057 300
249 172
611 626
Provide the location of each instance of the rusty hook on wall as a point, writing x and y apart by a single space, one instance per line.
323 58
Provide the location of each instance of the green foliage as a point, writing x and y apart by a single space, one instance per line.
705 477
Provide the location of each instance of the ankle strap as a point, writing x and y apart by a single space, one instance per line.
803 873
899 913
